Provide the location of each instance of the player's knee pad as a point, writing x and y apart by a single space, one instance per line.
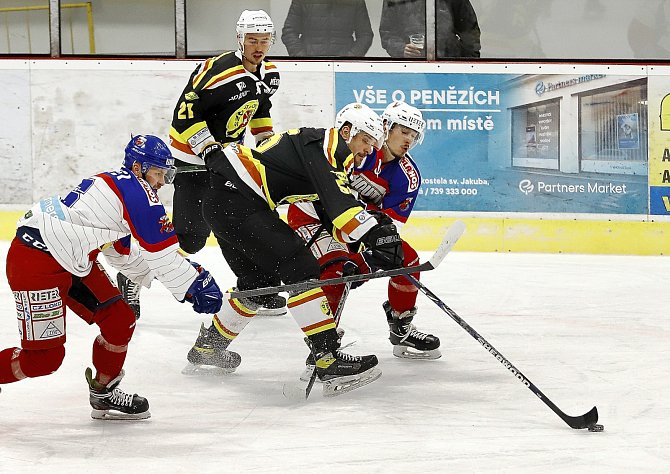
116 323
37 363
192 243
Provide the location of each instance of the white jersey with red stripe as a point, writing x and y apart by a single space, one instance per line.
109 208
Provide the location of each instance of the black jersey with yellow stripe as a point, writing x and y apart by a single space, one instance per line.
220 100
306 164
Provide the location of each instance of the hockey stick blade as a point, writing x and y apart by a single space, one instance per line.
576 422
450 238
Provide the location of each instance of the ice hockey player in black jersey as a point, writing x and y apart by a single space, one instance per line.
247 185
224 95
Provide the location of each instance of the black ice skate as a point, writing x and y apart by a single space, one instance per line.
408 343
309 362
270 305
209 356
111 403
341 372
130 292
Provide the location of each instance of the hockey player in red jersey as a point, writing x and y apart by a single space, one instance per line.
53 263
388 182
224 96
303 164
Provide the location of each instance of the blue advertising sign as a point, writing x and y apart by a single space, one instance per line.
493 144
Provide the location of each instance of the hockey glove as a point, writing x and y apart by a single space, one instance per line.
204 293
215 160
384 246
351 267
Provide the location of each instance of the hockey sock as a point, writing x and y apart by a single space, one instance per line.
402 294
17 364
311 311
117 324
233 317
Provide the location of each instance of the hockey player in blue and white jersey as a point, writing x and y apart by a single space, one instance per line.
53 263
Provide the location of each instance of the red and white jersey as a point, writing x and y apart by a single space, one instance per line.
109 208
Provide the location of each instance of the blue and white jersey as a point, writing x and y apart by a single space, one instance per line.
390 187
109 208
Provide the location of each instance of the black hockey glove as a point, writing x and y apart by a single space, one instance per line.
382 217
385 247
215 160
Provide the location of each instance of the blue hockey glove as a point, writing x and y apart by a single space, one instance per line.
204 293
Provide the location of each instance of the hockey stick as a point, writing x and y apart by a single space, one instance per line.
453 233
587 420
336 317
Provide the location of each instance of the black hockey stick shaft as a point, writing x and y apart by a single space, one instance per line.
576 422
452 234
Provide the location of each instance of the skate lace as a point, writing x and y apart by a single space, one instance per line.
347 357
413 332
120 398
132 291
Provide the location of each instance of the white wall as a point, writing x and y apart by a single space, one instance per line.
63 120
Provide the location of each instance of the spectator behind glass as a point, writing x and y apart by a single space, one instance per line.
327 28
456 23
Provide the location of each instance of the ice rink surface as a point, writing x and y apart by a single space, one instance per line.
587 330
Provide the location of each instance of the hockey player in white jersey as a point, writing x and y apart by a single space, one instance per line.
52 263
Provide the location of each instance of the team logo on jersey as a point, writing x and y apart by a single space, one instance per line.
410 172
241 85
191 96
166 225
405 204
240 118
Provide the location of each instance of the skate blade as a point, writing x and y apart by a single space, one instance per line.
108 415
307 374
340 385
405 352
206 370
262 312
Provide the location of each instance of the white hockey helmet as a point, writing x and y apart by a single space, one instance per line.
254 21
404 114
362 119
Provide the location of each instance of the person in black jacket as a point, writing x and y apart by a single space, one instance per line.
456 23
327 28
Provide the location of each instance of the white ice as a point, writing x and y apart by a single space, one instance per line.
587 330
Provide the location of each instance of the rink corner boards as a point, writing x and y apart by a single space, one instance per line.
508 234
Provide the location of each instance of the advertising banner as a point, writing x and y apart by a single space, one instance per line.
521 142
659 143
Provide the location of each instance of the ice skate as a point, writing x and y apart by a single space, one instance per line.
111 403
209 356
130 292
270 305
309 362
408 343
341 372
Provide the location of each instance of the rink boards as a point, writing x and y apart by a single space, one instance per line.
504 234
